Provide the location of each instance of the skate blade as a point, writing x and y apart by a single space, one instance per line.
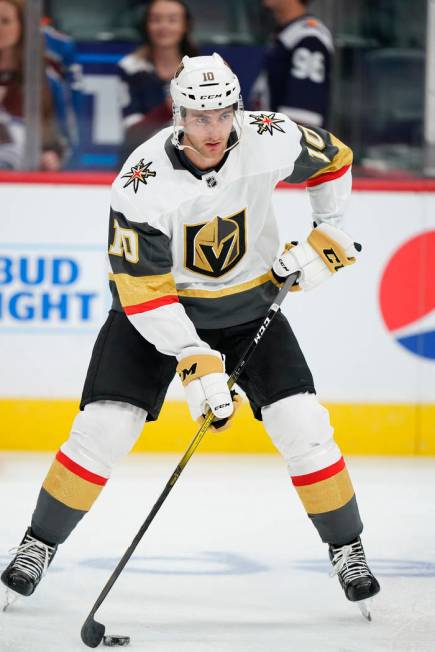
365 606
10 598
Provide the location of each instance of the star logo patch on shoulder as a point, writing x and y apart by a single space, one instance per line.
267 123
139 173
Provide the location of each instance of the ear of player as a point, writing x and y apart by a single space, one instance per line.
205 382
326 250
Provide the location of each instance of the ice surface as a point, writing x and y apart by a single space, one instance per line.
231 562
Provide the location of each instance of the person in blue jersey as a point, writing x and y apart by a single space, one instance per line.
295 78
146 73
65 81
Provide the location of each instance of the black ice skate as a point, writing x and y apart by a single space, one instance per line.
358 582
32 558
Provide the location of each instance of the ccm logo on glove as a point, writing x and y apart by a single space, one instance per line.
333 251
187 372
197 366
326 250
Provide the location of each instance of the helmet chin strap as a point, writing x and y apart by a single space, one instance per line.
179 145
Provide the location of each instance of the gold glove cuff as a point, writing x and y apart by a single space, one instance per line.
196 366
329 250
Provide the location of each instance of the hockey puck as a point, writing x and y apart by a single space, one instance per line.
115 640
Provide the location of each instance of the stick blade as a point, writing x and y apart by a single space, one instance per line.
92 632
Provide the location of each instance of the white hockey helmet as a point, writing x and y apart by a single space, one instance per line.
205 83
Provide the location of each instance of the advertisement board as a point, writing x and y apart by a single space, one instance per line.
368 333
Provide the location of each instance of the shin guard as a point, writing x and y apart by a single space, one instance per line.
103 433
300 429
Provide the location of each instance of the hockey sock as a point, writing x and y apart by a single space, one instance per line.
330 502
67 494
343 543
47 543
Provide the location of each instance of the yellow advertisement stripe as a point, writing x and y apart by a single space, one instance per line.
343 157
326 495
360 428
69 488
235 289
139 289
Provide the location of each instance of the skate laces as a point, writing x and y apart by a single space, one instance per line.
32 557
349 562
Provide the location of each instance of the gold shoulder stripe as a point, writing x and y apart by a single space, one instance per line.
134 290
343 157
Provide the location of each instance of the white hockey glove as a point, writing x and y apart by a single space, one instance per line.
326 250
205 382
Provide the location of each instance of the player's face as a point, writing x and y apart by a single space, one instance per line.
10 28
207 132
166 24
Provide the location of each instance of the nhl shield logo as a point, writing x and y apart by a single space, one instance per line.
214 248
211 182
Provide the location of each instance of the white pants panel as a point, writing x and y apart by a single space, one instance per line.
102 434
300 429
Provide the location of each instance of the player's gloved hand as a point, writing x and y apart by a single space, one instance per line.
205 382
326 250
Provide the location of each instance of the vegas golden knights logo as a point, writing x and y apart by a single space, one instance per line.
214 248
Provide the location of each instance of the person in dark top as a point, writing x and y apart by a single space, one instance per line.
146 73
295 78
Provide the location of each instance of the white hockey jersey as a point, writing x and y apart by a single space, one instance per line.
193 250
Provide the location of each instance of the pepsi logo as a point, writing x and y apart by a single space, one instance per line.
407 295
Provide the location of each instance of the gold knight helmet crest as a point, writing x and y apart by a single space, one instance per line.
214 248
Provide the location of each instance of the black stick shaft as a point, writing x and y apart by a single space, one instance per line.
194 444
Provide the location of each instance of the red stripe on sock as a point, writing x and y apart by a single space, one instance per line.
80 470
328 176
317 476
151 305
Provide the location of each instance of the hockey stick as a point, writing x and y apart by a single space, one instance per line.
92 631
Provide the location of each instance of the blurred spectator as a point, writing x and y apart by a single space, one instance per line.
146 73
296 75
12 128
65 79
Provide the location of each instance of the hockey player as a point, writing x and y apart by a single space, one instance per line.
295 79
192 242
